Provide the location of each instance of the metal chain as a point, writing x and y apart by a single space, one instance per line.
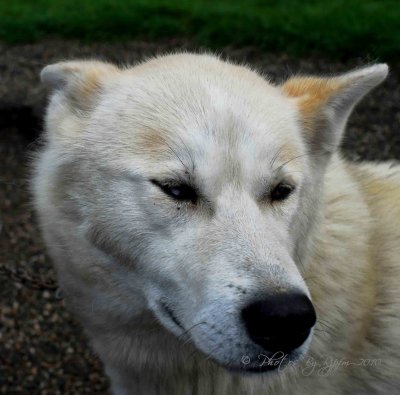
28 280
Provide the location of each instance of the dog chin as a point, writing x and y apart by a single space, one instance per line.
265 362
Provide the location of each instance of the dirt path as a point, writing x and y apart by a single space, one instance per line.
42 349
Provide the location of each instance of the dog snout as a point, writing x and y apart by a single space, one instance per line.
280 322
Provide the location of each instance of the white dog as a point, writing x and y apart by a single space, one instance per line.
208 235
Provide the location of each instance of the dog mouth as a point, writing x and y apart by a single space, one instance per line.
265 362
169 312
252 369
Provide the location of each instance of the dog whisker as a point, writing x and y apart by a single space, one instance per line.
188 330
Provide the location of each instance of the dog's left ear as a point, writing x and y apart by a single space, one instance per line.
78 82
325 103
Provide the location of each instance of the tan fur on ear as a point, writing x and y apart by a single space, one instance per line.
79 80
312 93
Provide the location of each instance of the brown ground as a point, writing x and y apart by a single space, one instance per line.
42 348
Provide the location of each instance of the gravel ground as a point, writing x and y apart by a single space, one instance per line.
42 348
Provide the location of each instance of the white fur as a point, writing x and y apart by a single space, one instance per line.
122 247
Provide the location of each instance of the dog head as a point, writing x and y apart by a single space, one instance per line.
199 181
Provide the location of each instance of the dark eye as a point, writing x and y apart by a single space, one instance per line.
181 192
281 191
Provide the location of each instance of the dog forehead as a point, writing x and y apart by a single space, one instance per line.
205 106
183 87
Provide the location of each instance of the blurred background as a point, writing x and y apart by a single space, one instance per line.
42 348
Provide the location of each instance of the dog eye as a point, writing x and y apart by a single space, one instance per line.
181 192
281 191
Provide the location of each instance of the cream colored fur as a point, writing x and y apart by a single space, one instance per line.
120 245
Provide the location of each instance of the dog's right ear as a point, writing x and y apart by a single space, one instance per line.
325 103
79 82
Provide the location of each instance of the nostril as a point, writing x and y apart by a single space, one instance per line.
280 322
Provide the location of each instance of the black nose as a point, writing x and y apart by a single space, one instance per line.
281 322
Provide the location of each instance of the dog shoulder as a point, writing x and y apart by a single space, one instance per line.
380 184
